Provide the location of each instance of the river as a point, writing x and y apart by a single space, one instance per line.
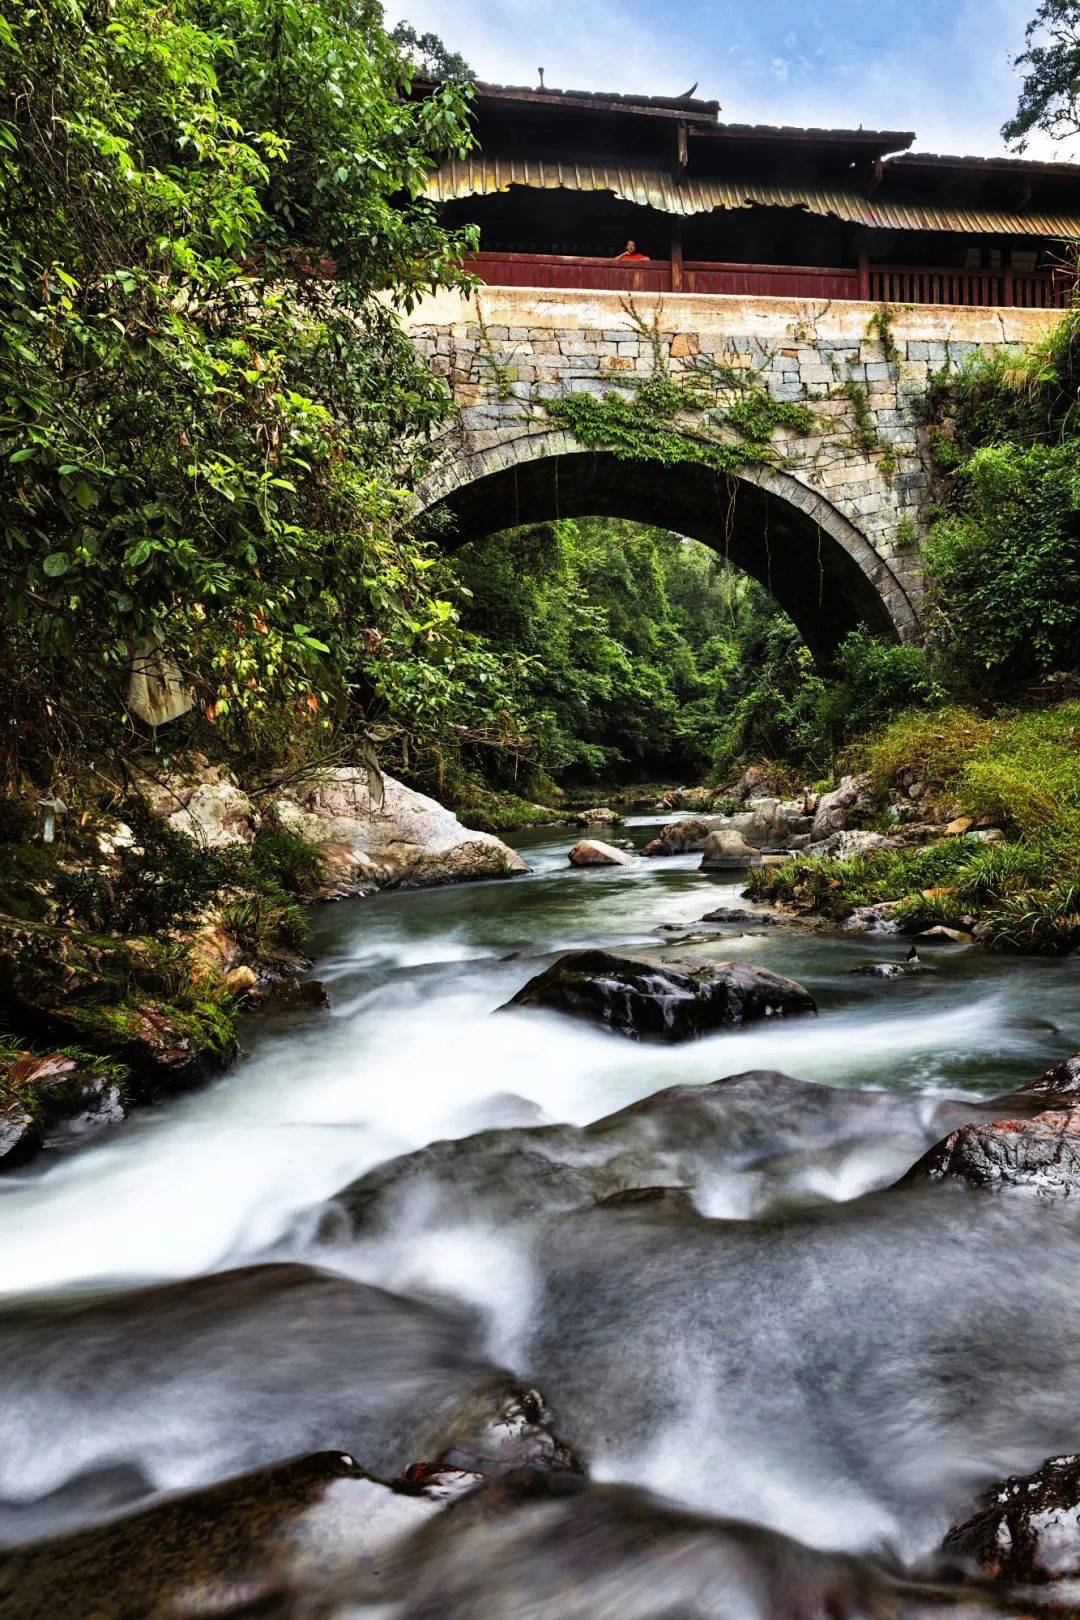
843 1365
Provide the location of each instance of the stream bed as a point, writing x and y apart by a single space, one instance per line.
760 1378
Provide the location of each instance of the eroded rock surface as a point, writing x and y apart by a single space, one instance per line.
654 1000
594 852
1026 1531
685 837
407 841
1041 1154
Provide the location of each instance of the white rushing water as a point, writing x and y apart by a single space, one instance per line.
411 1053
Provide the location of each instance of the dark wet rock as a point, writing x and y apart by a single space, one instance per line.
653 1000
727 851
1061 1081
1041 1154
685 837
746 919
594 852
261 1539
843 1353
1026 1531
43 1094
293 995
301 1360
664 1200
681 1138
888 970
542 1548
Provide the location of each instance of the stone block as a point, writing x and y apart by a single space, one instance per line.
684 344
878 371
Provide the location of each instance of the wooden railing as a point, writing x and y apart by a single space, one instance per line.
1005 289
881 284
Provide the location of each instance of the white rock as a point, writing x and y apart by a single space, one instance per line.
409 841
216 815
594 852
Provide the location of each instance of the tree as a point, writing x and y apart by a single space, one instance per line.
433 59
1050 94
209 415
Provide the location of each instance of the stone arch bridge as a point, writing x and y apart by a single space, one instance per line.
829 520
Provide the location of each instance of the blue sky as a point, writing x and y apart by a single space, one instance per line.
939 67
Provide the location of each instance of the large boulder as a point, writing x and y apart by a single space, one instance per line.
654 1000
600 816
727 851
836 810
1041 1155
594 852
685 837
770 823
203 801
854 841
405 841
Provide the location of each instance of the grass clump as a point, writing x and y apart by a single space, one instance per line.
1018 770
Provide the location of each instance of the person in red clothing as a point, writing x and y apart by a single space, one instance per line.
631 253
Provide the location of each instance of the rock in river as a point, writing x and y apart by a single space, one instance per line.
654 1000
728 852
594 852
1027 1529
681 837
1041 1154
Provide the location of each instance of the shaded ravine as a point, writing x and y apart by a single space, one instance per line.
788 1340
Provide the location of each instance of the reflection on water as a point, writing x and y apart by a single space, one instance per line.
808 1358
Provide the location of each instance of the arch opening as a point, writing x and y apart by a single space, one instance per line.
810 558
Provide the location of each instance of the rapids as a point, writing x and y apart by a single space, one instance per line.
282 1262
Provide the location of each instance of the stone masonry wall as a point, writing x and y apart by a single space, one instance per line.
508 350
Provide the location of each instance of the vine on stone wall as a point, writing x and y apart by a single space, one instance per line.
647 425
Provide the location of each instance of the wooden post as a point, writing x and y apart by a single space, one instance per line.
676 257
1007 290
864 276
682 150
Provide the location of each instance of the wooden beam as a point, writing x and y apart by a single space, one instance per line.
682 158
676 257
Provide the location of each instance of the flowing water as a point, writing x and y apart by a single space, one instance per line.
806 1349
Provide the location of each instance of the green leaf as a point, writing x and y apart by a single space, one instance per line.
56 563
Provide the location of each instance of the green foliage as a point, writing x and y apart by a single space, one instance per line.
1050 94
779 705
1004 560
208 411
160 883
880 326
432 59
667 417
285 861
623 637
1018 770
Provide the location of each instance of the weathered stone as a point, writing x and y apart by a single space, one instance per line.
748 919
842 846
879 918
681 837
1026 1531
940 935
648 999
599 816
835 810
593 852
406 841
1041 1155
728 852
